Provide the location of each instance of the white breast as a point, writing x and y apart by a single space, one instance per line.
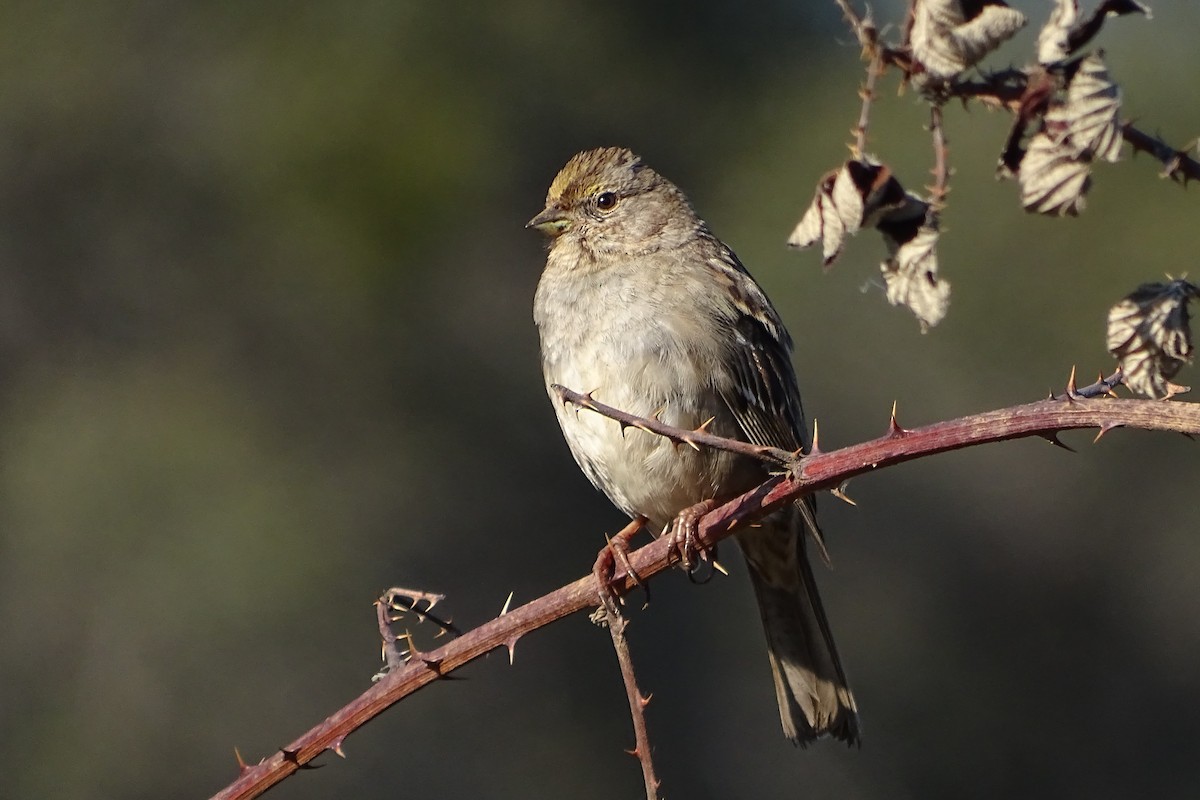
630 356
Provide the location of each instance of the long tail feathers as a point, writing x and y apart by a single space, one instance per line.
814 697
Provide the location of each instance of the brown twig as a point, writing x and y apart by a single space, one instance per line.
819 471
867 93
391 608
941 161
694 439
864 30
868 38
1177 164
616 622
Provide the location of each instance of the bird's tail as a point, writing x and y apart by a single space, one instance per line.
814 698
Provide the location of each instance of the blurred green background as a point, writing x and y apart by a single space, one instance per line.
266 349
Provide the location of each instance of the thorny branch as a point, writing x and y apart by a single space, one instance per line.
1103 387
391 608
615 621
941 161
863 29
868 37
694 439
1009 89
1013 90
818 471
867 93
1178 165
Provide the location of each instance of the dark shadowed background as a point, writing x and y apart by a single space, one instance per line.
266 349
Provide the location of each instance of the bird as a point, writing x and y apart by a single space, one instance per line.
644 308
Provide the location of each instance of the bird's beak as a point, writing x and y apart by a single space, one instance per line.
550 222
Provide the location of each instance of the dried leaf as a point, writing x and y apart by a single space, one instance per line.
1054 39
1063 35
1053 178
1149 333
846 200
947 38
1090 113
824 220
911 271
1081 125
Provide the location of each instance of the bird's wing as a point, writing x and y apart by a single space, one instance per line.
765 397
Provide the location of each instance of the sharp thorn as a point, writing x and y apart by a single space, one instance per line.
336 747
644 700
1072 388
1053 439
1105 428
717 566
243 766
894 428
511 644
507 604
840 493
815 447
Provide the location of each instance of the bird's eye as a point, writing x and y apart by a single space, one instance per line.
606 201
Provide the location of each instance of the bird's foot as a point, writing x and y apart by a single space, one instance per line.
685 544
614 555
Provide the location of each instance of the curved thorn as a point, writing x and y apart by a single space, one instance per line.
840 493
511 644
1105 428
336 747
1053 439
894 427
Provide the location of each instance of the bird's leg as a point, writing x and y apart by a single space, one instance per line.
616 554
683 535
